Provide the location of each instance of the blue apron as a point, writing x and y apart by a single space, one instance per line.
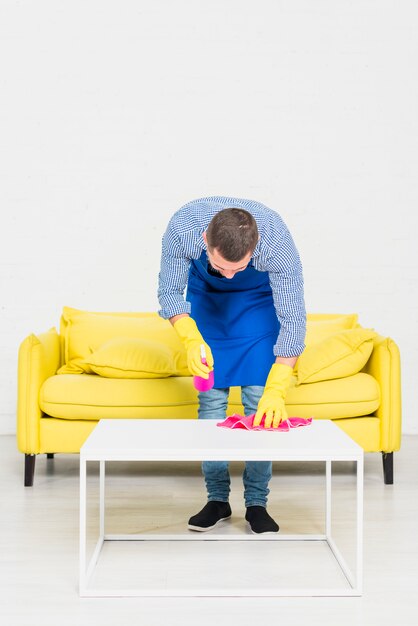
237 319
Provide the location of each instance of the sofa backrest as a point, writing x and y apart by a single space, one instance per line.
319 326
83 332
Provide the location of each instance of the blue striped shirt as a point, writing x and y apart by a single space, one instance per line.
275 253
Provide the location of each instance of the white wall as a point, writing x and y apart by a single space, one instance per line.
113 114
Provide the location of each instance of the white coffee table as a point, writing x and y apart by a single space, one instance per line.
197 440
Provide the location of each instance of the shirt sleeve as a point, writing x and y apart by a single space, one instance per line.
174 272
286 281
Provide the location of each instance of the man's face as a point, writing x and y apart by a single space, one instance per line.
228 269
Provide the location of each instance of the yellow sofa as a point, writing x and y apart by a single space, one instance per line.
132 365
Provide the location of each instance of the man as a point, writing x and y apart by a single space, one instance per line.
245 304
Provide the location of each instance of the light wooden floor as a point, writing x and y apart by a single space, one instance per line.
39 543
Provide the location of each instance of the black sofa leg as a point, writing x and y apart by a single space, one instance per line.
29 469
387 458
50 455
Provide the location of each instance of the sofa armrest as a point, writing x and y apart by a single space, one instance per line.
385 366
39 358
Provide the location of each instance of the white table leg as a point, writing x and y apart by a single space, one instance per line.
87 568
328 473
82 525
359 556
102 499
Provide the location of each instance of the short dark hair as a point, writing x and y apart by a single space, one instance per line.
234 233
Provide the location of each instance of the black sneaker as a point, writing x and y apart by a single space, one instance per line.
260 521
212 513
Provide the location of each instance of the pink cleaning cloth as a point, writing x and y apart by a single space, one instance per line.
239 421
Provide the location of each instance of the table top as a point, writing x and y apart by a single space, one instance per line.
198 440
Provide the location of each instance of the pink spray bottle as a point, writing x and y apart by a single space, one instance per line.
203 384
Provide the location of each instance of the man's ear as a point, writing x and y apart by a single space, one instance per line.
204 237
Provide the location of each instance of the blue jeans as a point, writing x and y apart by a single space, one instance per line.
257 474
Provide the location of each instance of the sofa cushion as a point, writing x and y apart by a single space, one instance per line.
339 355
132 358
353 396
86 397
84 332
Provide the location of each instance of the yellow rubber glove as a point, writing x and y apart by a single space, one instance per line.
272 401
192 340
